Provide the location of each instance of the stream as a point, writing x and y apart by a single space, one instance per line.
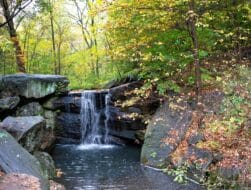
109 167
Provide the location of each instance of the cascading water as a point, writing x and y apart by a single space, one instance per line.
91 129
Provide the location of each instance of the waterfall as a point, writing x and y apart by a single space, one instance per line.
90 113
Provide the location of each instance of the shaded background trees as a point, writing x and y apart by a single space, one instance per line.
94 41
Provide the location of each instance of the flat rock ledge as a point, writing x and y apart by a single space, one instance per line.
33 85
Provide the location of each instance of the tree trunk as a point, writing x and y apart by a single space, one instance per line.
97 57
19 54
53 42
192 29
13 36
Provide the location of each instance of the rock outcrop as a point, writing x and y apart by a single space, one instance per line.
165 131
177 137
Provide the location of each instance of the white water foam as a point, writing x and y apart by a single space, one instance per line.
95 146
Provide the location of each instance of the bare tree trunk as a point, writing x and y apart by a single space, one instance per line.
53 42
192 30
13 36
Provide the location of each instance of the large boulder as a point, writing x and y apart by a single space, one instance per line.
33 85
47 164
15 159
29 131
165 131
30 109
9 103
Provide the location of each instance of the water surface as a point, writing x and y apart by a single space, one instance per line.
107 167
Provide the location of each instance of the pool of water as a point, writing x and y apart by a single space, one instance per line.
96 167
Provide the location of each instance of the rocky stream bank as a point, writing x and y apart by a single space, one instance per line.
37 111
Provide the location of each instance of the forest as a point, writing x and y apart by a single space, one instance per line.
185 47
164 42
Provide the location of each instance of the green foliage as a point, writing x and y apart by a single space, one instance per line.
153 154
179 173
214 181
160 47
236 105
144 38
7 61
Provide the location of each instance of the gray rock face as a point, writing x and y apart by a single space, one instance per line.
9 103
29 131
15 159
30 109
68 126
33 86
165 131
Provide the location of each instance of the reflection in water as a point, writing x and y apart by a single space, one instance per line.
109 168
